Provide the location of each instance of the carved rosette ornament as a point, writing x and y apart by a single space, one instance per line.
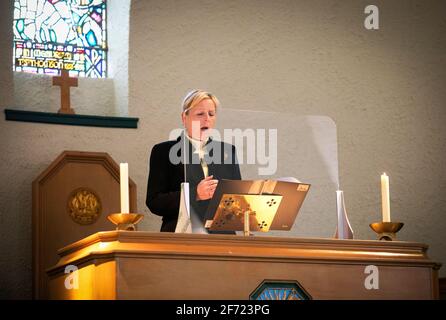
84 206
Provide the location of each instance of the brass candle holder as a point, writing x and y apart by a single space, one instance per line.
125 221
386 230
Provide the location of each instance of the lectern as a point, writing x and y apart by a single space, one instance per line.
255 205
144 265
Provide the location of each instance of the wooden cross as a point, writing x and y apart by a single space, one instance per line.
65 82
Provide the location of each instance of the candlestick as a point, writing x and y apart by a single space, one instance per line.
124 182
125 221
386 230
385 197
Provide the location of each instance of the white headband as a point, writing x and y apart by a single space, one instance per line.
188 96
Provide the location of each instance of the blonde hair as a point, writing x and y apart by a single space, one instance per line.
194 97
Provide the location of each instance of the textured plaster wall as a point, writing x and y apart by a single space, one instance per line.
118 39
384 89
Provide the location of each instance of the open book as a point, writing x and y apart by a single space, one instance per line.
286 200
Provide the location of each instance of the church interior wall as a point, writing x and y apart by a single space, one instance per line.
384 89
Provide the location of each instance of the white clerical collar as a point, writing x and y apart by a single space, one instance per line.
198 145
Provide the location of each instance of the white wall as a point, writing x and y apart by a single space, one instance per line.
118 39
384 89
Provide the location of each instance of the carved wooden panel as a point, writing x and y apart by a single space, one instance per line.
71 200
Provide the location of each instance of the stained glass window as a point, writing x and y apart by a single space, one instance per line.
51 35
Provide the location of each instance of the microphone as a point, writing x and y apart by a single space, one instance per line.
184 223
184 155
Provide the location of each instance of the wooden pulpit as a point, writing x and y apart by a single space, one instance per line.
71 200
144 265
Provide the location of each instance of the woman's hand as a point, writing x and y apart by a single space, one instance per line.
206 188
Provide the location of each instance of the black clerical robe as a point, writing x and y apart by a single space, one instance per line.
166 176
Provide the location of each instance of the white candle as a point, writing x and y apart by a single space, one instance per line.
340 211
246 224
385 197
124 182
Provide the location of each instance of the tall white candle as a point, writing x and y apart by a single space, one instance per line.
246 224
124 182
340 211
385 197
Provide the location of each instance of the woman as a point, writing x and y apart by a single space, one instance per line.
201 162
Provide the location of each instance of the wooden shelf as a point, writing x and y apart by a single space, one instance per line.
71 119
